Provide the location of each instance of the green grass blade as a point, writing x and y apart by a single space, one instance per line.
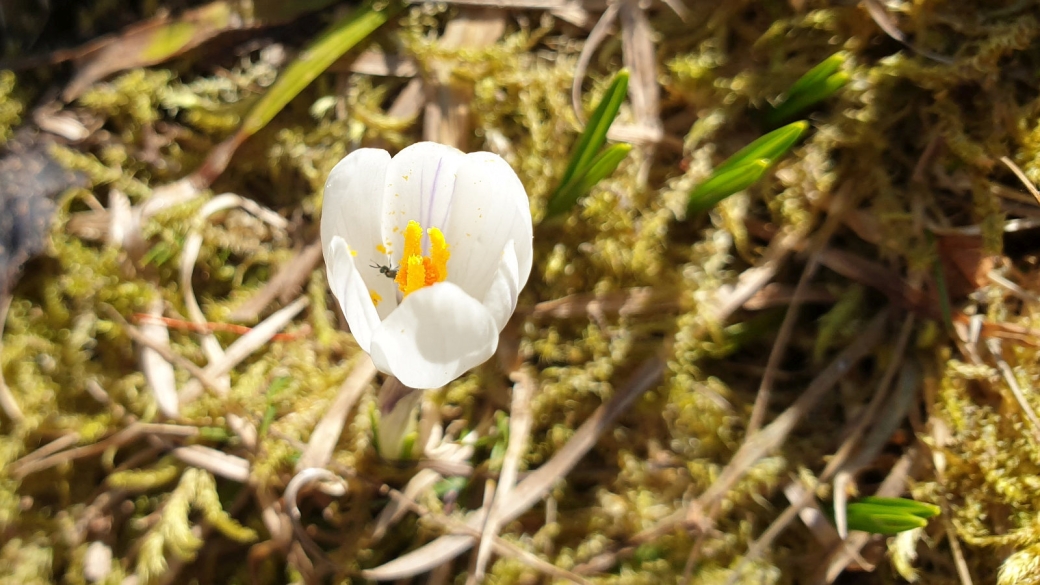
770 147
595 133
600 168
720 185
819 83
903 505
337 39
889 515
741 170
883 523
798 103
818 74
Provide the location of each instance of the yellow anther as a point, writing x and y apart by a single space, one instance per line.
412 240
416 277
416 270
438 253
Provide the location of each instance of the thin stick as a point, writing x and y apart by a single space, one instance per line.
327 432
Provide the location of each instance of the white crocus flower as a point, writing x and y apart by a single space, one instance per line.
426 253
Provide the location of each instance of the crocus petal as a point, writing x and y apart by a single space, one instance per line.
349 288
500 299
490 207
436 334
353 210
418 187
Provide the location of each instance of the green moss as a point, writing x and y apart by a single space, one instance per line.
10 106
61 343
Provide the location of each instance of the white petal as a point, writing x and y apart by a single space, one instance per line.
436 334
500 299
348 287
419 182
490 208
353 210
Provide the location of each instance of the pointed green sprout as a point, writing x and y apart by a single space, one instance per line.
818 84
744 168
889 515
588 165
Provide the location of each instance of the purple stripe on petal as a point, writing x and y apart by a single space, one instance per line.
433 194
427 216
422 194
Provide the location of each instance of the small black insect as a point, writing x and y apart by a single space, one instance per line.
385 270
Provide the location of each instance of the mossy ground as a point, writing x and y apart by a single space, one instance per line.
910 143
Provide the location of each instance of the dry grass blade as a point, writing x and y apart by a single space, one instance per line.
501 546
598 34
1021 177
245 345
881 279
1008 374
575 12
728 299
838 206
190 253
534 486
803 502
164 351
330 484
285 284
776 353
31 463
372 62
877 12
214 461
963 572
446 459
632 302
94 225
395 510
637 48
158 372
60 444
773 435
326 433
519 433
840 461
447 118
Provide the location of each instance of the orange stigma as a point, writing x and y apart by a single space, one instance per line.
416 270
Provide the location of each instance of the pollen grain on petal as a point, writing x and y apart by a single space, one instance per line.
376 299
381 248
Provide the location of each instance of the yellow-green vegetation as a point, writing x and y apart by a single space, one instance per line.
903 154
